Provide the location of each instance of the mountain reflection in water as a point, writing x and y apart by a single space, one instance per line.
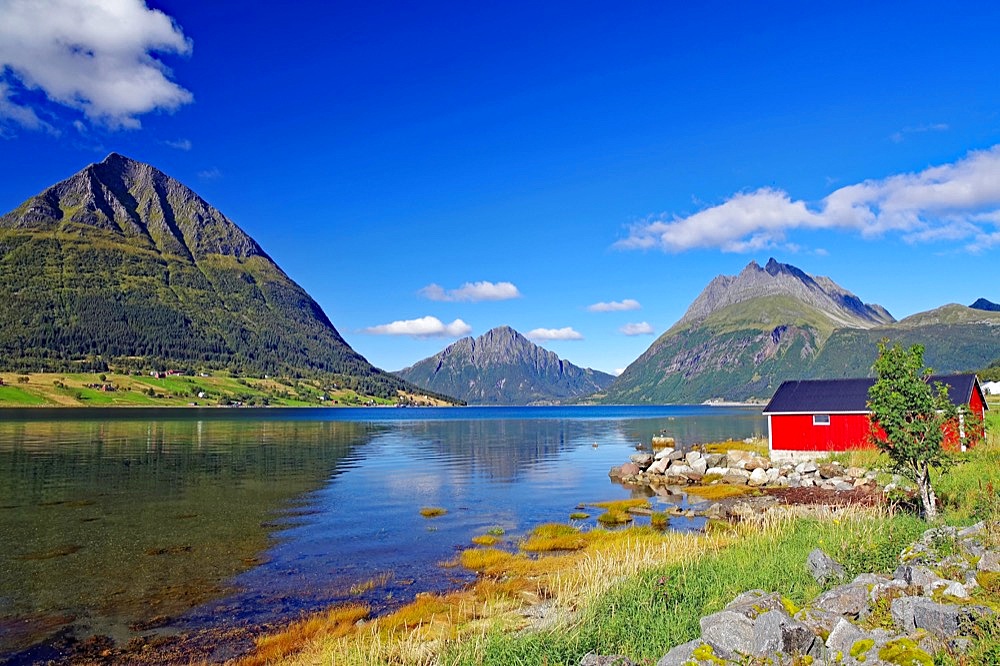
128 523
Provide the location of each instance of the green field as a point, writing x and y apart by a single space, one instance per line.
84 390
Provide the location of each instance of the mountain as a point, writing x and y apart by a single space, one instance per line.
745 334
983 304
502 367
121 264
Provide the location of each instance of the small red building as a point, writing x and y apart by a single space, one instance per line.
808 417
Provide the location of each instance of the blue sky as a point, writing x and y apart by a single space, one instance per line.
574 169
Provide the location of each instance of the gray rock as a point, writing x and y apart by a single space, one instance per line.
700 466
918 575
990 561
831 470
721 471
755 602
663 453
972 530
643 460
715 459
777 635
676 455
758 477
848 600
824 568
692 456
734 479
912 613
842 638
820 621
956 590
658 466
729 633
591 659
807 467
682 655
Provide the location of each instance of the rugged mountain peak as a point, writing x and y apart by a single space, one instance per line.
503 367
778 279
138 204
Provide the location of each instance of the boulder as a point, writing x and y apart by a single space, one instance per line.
691 456
700 466
758 477
729 633
844 636
831 470
754 602
807 467
912 613
850 600
663 453
824 568
643 460
658 466
920 576
990 561
682 655
628 469
715 459
776 635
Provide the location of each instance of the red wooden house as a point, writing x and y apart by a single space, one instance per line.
808 417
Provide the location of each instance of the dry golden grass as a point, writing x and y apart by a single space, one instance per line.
485 540
432 511
719 491
756 445
554 536
332 624
420 631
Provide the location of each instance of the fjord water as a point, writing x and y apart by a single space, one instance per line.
132 522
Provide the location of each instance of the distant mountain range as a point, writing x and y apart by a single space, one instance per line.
502 367
983 304
121 264
745 334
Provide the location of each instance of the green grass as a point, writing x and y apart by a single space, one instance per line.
646 615
13 396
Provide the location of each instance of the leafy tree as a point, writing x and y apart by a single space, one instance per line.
910 417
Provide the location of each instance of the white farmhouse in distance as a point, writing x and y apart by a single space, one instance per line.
991 388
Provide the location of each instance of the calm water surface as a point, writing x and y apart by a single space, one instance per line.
133 522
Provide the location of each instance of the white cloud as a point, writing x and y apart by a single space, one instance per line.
94 56
617 372
472 291
210 174
180 144
898 137
566 333
949 203
425 327
640 328
615 306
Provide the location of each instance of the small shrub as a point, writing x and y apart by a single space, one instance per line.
659 520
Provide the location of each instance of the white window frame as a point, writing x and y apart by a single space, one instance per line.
818 419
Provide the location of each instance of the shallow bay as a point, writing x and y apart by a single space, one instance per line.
137 522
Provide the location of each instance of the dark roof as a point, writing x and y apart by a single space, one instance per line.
818 396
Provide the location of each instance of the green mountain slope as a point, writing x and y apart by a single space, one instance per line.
502 367
746 334
121 264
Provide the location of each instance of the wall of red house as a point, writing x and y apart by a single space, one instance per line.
796 432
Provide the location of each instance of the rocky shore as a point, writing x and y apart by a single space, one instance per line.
923 609
755 482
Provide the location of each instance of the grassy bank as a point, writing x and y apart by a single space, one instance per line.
634 591
115 390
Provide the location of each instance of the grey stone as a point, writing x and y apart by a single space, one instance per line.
776 634
729 633
643 460
820 621
663 453
591 659
681 655
758 477
831 470
700 466
971 530
734 479
680 469
848 600
807 467
843 637
912 613
956 590
676 455
715 459
918 575
658 466
990 561
721 471
692 456
755 602
823 567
